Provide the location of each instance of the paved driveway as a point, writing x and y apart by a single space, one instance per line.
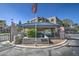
9 50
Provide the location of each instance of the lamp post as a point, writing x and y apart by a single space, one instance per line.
35 43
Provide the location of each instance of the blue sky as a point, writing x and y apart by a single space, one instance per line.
23 11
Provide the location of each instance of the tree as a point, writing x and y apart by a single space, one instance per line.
28 21
18 27
76 27
67 22
75 24
20 22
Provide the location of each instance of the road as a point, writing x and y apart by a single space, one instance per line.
18 51
74 44
10 50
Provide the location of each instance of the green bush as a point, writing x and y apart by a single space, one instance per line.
31 32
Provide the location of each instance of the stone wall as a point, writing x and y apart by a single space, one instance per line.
32 41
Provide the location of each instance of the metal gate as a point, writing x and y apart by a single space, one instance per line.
4 37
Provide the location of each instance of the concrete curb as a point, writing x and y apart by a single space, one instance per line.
51 46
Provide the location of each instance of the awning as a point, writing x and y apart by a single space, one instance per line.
38 25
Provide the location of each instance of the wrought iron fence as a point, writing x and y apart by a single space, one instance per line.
4 37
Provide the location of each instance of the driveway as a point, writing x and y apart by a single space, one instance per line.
10 50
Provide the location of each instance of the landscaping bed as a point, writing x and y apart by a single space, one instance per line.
56 41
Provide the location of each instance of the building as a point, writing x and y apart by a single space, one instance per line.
2 25
46 27
39 19
43 30
55 20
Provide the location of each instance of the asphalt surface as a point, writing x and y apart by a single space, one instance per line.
10 50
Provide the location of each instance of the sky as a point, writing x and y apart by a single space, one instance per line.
23 11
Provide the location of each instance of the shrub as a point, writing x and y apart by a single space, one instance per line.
18 40
31 32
